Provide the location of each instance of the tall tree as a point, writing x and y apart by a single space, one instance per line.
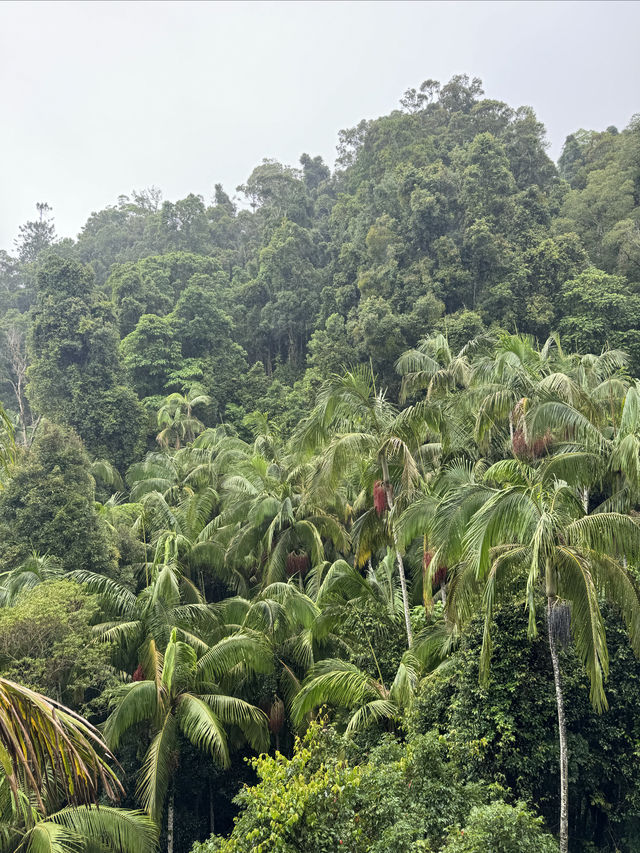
49 505
351 422
36 235
183 695
532 530
75 371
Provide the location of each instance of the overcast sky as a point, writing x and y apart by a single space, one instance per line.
102 97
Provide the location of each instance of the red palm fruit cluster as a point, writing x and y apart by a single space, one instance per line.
440 574
138 675
540 445
534 451
297 564
519 444
439 577
379 497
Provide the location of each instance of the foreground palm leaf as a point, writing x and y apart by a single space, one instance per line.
38 734
54 766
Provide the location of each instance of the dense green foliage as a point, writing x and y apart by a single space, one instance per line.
367 441
48 506
324 798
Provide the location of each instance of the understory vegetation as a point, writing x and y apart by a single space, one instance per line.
319 506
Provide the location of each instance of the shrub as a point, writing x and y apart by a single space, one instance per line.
501 828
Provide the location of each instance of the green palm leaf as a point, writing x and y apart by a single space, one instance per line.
116 829
235 712
202 727
370 713
132 704
245 649
334 682
156 769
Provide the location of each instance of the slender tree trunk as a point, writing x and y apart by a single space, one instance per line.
562 732
425 603
34 427
170 822
18 361
403 581
212 828
23 419
585 499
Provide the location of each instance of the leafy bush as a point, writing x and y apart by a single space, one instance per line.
501 828
46 643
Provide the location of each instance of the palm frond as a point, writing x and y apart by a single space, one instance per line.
155 772
251 721
576 584
118 829
132 704
249 650
335 682
202 727
372 712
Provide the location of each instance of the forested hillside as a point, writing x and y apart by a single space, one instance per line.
353 456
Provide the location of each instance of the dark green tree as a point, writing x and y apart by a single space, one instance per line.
48 506
75 372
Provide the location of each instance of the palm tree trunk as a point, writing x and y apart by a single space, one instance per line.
403 581
405 595
212 821
425 603
170 822
562 732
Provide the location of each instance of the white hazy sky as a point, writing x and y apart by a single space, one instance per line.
101 97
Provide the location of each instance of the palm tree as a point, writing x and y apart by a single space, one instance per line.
174 475
343 592
289 621
623 462
184 695
591 413
505 379
368 699
54 764
141 625
271 512
351 422
433 368
35 570
177 502
176 419
519 524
